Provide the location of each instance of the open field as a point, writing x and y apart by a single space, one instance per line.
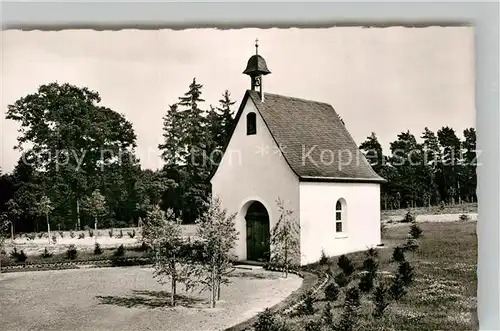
443 295
466 208
36 246
129 299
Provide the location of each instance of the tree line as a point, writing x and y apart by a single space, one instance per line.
79 163
440 169
77 154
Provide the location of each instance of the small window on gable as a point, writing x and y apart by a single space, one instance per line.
251 124
340 218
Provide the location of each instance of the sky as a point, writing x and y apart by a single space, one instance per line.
382 80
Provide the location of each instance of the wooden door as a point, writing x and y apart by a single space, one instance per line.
258 234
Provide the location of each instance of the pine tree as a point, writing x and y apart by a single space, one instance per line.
172 150
327 315
380 299
397 288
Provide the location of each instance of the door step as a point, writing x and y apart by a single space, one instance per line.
249 265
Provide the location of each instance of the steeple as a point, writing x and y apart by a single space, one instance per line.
256 68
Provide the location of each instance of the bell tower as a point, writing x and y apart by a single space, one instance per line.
256 69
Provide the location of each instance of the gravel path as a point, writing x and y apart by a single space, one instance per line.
124 299
431 218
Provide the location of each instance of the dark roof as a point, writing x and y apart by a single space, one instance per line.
256 64
313 139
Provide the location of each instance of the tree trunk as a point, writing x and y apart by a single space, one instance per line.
212 294
173 290
12 231
48 225
77 214
218 288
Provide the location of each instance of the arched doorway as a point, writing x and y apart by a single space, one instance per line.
258 232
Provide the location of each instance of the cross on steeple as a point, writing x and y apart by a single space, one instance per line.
257 46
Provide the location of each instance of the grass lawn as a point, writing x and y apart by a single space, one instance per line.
129 299
443 294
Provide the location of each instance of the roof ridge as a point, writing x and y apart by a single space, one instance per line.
295 98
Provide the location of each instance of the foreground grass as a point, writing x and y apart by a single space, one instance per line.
443 294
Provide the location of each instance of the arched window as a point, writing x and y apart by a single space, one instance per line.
251 124
340 216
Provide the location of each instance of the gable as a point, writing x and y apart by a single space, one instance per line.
314 141
251 154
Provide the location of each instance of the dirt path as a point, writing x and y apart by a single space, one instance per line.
430 218
124 299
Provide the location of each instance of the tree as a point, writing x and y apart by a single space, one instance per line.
217 232
373 152
380 299
451 162
73 137
44 208
3 229
95 205
468 179
219 125
162 232
14 212
172 150
285 239
185 149
405 155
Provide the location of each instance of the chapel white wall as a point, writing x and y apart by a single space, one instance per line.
317 218
244 175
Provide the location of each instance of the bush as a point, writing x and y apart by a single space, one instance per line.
372 252
323 260
131 234
46 254
342 280
72 234
352 297
31 236
332 292
464 218
61 234
380 299
18 256
366 282
81 235
397 289
345 265
97 249
409 217
349 317
370 266
121 234
383 228
91 233
327 315
72 252
110 232
398 254
415 231
120 251
40 235
267 321
307 305
313 326
98 234
411 244
406 272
